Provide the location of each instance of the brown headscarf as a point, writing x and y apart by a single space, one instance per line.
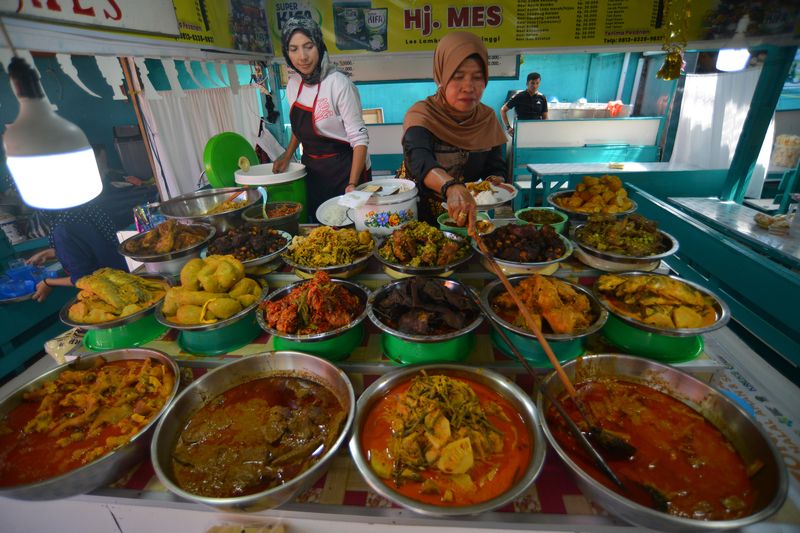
478 129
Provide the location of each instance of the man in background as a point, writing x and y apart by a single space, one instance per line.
529 104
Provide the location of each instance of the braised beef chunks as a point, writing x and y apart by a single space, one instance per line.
422 306
525 244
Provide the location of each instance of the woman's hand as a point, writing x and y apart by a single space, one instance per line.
461 206
281 164
40 258
43 290
350 188
498 181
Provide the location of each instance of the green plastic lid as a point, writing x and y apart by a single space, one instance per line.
221 157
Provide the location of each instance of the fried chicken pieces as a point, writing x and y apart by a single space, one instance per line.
564 309
211 289
109 294
169 236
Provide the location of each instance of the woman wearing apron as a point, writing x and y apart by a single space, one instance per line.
325 113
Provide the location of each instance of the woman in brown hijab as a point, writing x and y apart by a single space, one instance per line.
451 137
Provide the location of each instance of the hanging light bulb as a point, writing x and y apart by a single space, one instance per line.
730 60
50 158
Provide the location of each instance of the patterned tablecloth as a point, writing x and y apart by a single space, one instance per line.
554 491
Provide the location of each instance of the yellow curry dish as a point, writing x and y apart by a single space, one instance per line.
326 247
109 294
597 195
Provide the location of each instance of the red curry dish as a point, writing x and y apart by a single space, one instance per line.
256 436
683 465
446 441
79 417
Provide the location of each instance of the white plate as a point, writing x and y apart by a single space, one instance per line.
263 175
501 194
328 222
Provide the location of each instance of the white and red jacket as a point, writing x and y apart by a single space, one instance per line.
337 110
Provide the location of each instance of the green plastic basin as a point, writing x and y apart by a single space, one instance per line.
220 340
405 352
136 333
334 349
532 351
651 345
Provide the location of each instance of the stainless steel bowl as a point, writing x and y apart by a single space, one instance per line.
448 284
264 259
356 289
170 263
63 315
346 270
193 207
226 377
668 243
721 308
107 468
495 288
533 267
425 270
289 223
744 432
499 384
578 215
241 315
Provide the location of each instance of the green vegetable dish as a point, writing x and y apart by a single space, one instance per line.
418 244
633 236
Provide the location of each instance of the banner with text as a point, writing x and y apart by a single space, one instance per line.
232 24
397 26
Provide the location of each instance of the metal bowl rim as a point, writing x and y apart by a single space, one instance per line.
331 269
684 523
557 194
106 458
281 218
385 382
256 261
298 480
226 191
162 319
169 256
564 216
410 337
352 286
425 270
515 264
621 258
63 315
724 310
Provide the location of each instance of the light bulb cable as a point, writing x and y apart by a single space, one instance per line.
22 75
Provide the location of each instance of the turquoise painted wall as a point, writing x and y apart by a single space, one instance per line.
567 77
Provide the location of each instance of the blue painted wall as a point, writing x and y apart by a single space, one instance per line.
566 77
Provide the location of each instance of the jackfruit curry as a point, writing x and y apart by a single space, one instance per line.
420 244
657 300
80 416
315 306
683 465
109 294
211 289
634 235
169 236
446 441
555 306
256 436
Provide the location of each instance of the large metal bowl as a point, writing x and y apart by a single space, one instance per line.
448 284
334 271
425 270
721 308
744 432
170 263
193 207
107 468
356 289
516 267
256 261
499 384
226 377
615 262
580 215
496 287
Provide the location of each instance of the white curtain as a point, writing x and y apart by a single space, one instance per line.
180 125
713 111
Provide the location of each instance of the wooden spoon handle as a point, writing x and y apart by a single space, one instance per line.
528 318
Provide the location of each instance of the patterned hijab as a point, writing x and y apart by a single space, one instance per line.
310 29
478 129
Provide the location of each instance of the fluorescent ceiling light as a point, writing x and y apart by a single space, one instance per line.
732 60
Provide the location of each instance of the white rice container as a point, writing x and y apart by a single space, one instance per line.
381 215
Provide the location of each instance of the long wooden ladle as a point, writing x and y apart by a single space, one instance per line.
613 444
